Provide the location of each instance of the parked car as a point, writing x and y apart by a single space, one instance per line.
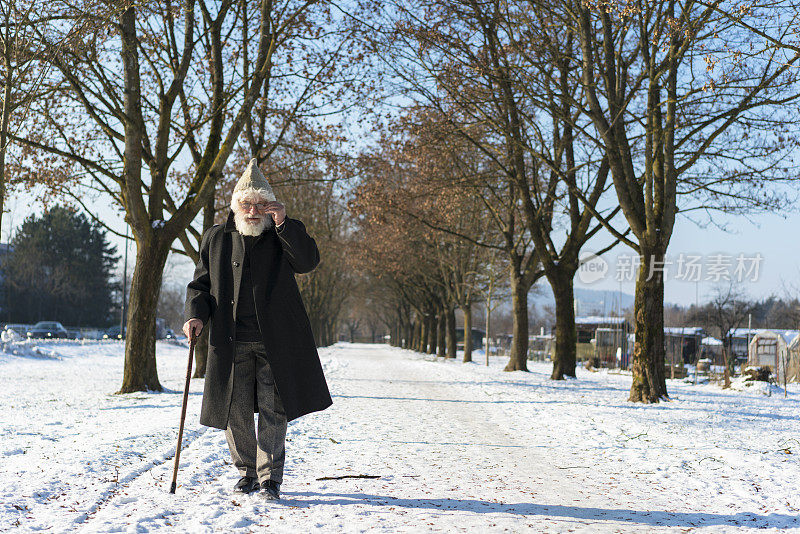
114 333
48 330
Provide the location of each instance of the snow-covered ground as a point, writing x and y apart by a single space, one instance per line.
455 447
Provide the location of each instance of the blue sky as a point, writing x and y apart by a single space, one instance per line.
22 204
773 236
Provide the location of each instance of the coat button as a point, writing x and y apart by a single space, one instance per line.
233 302
230 338
236 264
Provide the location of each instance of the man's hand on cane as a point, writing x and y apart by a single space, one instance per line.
192 328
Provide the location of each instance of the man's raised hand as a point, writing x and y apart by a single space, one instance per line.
277 210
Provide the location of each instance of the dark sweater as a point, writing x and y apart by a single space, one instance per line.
246 320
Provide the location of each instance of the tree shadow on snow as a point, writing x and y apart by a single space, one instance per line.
164 391
460 401
439 443
641 517
555 385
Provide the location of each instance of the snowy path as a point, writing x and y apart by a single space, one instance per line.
457 447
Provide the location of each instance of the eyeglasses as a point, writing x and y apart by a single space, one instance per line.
260 206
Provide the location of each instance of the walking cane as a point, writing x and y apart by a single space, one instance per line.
183 413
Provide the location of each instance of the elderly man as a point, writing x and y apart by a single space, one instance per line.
261 355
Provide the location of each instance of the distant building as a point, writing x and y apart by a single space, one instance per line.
601 338
541 346
477 338
711 349
682 344
793 365
739 339
503 343
776 349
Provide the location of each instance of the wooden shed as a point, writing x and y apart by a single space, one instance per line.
601 338
739 342
711 349
682 344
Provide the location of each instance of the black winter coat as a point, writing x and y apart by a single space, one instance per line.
212 297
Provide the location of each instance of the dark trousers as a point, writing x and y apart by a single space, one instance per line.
256 454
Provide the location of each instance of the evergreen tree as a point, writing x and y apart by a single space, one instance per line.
59 268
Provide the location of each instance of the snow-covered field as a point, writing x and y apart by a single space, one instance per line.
454 447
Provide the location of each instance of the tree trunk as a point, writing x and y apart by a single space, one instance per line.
315 330
140 372
467 333
405 334
488 342
423 333
566 336
450 334
727 373
394 337
649 384
519 346
432 333
441 328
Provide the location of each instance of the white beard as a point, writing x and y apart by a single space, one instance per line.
252 229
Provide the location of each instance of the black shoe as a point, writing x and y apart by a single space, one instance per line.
246 485
271 490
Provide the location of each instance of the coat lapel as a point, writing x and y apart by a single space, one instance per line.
237 258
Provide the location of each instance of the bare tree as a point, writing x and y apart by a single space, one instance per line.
729 309
25 61
315 71
171 56
408 186
685 101
506 82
